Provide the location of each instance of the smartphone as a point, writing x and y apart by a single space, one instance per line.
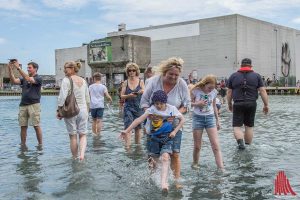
136 93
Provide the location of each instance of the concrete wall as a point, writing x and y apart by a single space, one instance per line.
131 48
217 45
207 45
71 54
125 48
262 42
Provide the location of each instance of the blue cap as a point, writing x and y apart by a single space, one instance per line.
159 96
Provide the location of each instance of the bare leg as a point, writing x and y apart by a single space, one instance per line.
248 134
94 126
238 133
138 135
152 163
39 136
99 126
175 166
82 146
197 135
74 145
215 145
127 141
23 134
164 171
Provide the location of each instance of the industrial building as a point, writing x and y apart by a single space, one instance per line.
108 56
217 45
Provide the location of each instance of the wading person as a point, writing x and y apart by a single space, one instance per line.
97 93
177 91
243 87
76 125
160 132
30 109
132 90
206 116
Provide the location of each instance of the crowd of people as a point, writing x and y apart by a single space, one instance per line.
158 105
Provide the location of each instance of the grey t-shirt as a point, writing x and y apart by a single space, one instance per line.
179 96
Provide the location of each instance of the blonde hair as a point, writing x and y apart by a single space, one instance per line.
76 65
210 78
166 65
134 66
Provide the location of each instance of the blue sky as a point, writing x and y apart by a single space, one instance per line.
33 29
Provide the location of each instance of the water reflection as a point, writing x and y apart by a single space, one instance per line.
135 152
30 168
98 144
111 172
79 179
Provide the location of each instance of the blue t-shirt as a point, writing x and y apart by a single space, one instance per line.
31 93
244 86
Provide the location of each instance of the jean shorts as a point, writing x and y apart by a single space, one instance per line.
155 148
77 124
177 142
201 122
97 113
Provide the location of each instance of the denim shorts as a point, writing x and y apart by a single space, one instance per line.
177 142
97 113
77 124
201 122
155 148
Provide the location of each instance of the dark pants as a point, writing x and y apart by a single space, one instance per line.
244 113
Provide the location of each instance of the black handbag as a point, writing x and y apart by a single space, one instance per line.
70 107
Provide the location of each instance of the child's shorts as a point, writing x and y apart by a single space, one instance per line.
156 148
201 122
97 113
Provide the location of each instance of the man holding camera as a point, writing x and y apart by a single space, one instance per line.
29 109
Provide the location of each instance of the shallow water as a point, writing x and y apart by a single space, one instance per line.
111 172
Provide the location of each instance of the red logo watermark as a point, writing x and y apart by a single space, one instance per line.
282 185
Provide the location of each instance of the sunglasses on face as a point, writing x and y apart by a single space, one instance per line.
131 70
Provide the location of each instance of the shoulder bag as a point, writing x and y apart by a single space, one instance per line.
70 107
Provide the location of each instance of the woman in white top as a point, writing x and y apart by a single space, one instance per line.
75 125
177 91
205 116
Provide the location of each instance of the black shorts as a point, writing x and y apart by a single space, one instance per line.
244 113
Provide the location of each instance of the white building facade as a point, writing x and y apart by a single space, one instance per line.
217 45
71 54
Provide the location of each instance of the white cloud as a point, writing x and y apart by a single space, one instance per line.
19 9
66 4
296 20
2 40
11 4
140 13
